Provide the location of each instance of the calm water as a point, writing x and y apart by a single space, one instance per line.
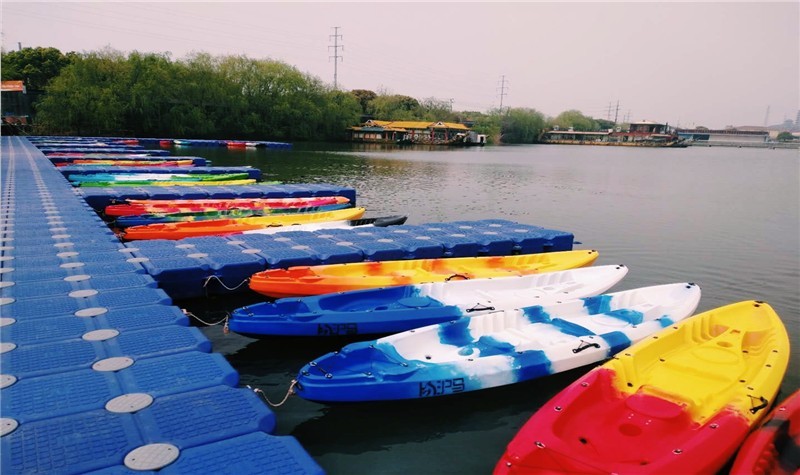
725 218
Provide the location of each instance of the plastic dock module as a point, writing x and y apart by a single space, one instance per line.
195 267
99 198
100 373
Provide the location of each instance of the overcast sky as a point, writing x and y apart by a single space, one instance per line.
689 64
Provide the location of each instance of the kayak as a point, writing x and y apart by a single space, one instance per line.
349 224
322 279
774 447
125 177
400 308
235 213
128 163
495 349
107 184
681 401
101 155
137 207
220 227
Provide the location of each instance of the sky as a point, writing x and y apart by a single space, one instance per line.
688 64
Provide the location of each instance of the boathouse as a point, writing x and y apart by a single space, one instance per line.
416 132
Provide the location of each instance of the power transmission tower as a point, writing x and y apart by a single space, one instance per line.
616 114
766 118
502 91
335 56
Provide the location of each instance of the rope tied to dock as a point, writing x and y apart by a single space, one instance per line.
214 277
223 321
261 393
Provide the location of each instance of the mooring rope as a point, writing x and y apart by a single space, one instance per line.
264 395
223 320
209 278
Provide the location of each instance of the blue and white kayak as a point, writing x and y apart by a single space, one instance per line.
495 349
400 308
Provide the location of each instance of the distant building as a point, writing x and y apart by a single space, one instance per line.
740 135
414 132
16 104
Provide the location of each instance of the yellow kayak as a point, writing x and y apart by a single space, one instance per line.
681 401
323 279
219 227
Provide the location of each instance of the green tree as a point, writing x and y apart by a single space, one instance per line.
395 107
36 66
488 124
603 124
574 119
89 97
153 92
522 126
785 137
364 97
433 109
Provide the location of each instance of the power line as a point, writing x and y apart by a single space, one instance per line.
335 56
502 90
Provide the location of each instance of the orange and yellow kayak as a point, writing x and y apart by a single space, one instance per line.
323 279
681 401
221 227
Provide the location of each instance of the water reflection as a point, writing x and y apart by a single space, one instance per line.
727 219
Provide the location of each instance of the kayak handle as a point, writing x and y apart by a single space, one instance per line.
478 307
764 404
585 346
461 276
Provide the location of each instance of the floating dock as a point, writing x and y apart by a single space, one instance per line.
100 372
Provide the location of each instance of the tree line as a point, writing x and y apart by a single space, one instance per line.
108 93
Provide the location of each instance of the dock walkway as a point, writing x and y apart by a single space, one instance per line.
100 372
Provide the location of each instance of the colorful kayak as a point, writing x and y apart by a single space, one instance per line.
323 279
128 163
125 177
137 207
99 155
773 448
350 224
400 308
681 401
495 349
219 227
106 184
236 213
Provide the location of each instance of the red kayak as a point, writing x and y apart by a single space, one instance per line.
773 448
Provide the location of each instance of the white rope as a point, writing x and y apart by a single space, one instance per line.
190 314
205 283
285 398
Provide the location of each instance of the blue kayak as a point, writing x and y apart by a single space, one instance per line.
495 349
400 308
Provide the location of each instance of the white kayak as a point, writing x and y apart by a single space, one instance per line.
495 349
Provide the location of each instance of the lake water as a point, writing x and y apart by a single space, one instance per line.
725 218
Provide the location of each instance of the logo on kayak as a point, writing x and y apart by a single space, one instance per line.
337 329
441 387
